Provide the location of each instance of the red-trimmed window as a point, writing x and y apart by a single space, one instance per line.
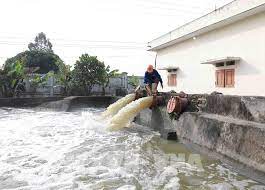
172 80
225 78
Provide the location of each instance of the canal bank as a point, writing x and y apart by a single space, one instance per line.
58 103
232 126
73 150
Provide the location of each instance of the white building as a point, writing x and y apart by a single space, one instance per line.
222 51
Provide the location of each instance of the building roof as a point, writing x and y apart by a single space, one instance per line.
169 68
230 13
222 59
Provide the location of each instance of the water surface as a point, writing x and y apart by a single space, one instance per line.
73 150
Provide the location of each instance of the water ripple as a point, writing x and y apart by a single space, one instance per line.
60 150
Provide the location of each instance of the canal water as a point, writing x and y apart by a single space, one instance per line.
73 150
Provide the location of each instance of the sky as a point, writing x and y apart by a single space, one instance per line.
117 31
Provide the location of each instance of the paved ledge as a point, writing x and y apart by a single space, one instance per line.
238 139
58 103
26 102
241 107
231 126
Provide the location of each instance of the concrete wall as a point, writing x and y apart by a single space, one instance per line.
243 39
48 89
118 86
115 83
26 102
231 126
59 103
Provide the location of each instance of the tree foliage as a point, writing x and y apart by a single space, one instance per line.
39 59
10 77
133 80
88 71
109 74
4 83
39 62
41 43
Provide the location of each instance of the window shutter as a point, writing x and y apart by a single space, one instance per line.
230 78
220 78
172 79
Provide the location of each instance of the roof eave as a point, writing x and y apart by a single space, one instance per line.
205 29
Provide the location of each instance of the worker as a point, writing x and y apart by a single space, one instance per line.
151 80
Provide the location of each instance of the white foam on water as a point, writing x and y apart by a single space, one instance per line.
127 187
173 184
60 150
125 116
118 105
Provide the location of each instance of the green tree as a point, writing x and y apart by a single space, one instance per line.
10 77
63 77
41 43
16 72
4 83
133 80
39 59
88 71
36 62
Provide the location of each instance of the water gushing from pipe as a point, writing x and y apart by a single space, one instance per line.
117 106
125 115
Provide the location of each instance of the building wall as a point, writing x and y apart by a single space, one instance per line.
233 10
115 83
245 39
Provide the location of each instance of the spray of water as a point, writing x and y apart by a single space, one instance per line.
117 106
125 116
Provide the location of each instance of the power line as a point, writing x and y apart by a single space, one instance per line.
79 45
78 40
115 55
175 3
178 4
178 14
159 6
162 5
155 7
184 5
154 11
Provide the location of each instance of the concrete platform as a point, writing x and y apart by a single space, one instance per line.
241 140
58 103
26 102
231 126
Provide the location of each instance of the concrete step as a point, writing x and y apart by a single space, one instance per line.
241 140
241 107
233 120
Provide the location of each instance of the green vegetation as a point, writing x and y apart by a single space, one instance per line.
36 61
39 59
39 63
4 84
10 77
133 80
89 71
41 44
